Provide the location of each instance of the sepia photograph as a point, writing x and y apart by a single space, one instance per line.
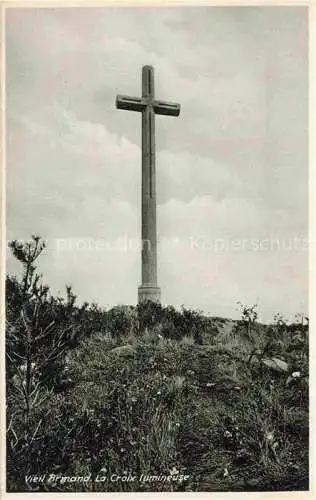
156 248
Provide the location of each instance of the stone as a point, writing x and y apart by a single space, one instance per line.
123 350
276 364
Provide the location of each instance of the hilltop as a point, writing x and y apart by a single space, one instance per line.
150 390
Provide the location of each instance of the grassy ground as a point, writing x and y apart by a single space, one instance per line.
148 404
214 404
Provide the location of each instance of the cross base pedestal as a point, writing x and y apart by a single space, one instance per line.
149 292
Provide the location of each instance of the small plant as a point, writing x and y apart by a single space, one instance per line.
249 316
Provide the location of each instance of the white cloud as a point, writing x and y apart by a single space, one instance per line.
233 165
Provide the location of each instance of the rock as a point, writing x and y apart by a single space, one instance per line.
123 350
276 364
252 482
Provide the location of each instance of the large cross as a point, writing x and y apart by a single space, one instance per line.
148 106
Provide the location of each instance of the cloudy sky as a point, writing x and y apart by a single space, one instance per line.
232 170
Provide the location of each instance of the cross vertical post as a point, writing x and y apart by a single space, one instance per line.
148 106
149 288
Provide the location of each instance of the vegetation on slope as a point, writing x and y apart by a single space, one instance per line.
150 390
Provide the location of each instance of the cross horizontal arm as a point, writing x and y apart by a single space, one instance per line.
166 108
130 103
